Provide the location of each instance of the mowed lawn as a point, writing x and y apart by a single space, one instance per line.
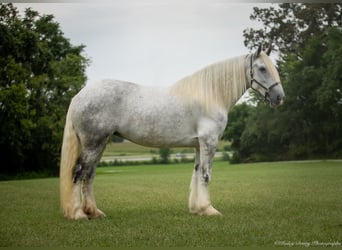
263 204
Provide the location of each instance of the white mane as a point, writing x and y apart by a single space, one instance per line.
218 85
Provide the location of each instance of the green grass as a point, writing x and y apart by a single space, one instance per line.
147 206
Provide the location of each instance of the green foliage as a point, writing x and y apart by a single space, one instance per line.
289 26
115 139
237 119
39 73
315 104
225 156
164 154
308 125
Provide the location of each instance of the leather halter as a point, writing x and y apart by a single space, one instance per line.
267 89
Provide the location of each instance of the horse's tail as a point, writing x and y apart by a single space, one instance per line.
71 150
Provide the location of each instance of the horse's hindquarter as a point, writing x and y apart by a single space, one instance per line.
97 108
153 117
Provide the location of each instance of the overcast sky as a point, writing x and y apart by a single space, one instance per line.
152 42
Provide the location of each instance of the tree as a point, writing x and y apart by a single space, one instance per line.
308 125
237 121
316 100
164 154
289 26
40 70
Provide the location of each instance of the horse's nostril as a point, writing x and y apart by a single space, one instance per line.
278 97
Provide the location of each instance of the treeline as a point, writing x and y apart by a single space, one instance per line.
309 125
40 71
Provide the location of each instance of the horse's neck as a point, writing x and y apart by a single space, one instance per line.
228 81
219 85
235 82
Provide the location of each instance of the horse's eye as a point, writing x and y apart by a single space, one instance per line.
262 69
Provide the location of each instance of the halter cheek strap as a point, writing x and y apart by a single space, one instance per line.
267 89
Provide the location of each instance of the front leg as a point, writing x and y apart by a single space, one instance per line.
199 200
207 153
210 129
193 198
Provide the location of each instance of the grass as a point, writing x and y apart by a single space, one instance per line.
262 204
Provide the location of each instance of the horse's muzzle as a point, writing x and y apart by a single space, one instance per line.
275 96
275 102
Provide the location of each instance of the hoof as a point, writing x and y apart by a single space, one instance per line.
93 213
210 211
97 214
77 215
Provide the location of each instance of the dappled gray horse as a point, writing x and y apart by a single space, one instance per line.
191 113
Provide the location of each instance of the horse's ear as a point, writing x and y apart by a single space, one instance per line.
257 53
268 51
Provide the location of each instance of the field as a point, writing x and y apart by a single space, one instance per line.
264 204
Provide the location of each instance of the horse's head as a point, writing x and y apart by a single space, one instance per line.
264 77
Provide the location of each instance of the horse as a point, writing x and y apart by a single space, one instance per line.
193 112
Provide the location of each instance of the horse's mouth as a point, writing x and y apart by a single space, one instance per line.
275 103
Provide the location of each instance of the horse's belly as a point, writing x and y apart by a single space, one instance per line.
167 129
155 118
158 135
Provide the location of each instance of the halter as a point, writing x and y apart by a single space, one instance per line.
267 90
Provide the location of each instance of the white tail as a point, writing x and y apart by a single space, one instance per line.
71 150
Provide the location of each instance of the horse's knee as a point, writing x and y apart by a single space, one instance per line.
206 173
206 178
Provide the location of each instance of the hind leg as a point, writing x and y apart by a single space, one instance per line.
84 176
75 210
89 203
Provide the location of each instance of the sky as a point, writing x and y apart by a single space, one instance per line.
152 42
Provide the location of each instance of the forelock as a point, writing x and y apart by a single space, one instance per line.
270 66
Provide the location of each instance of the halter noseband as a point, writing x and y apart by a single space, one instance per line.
267 90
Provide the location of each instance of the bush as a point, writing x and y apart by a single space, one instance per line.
225 156
236 158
